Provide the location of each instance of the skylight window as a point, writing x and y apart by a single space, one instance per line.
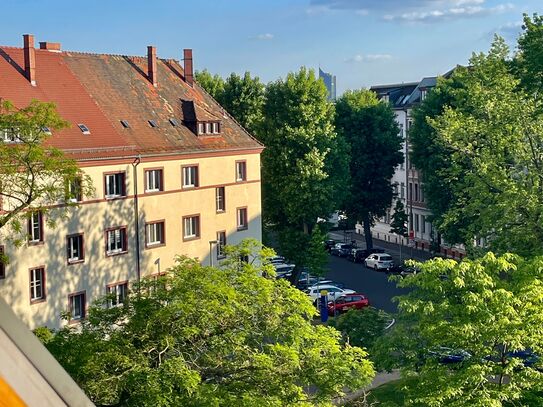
83 128
152 123
174 122
46 130
125 124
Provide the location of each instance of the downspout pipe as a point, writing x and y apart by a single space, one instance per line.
135 164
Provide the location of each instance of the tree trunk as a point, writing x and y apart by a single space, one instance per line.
367 232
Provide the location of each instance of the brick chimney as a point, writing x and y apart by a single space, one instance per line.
30 58
187 58
50 46
151 65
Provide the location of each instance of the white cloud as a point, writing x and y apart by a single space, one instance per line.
368 58
413 10
263 37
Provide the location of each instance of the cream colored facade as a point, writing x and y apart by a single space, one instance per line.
94 215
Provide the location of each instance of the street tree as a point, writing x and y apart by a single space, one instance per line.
375 144
304 165
34 176
205 336
529 59
243 98
398 226
213 84
469 333
491 144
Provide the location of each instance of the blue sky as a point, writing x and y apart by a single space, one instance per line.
362 42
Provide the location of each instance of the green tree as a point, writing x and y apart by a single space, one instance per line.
398 225
33 175
489 309
243 98
375 144
304 168
361 327
492 138
529 59
213 84
204 336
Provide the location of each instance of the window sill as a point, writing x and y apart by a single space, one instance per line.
114 197
75 321
37 301
240 228
70 262
153 191
221 211
154 245
113 254
35 242
190 186
241 181
190 238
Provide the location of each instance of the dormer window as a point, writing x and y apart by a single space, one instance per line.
10 136
46 130
84 129
174 122
385 97
125 124
153 123
205 128
423 94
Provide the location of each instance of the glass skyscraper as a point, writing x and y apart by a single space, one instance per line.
330 83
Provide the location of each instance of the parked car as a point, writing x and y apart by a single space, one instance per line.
328 244
284 270
447 355
379 261
314 292
402 269
276 260
341 249
347 302
359 255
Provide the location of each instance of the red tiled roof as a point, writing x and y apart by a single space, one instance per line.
100 90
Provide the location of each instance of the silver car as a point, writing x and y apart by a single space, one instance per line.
379 261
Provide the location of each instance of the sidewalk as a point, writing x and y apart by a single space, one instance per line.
407 252
378 380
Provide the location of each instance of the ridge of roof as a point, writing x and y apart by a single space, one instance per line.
395 85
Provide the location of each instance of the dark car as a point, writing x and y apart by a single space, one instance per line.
347 302
402 269
447 356
359 255
341 249
328 244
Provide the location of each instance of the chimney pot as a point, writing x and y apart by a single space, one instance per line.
151 65
30 58
187 58
50 46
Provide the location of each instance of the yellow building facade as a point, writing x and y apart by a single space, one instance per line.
173 174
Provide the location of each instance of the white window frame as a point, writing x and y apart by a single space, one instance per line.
190 176
37 282
74 190
221 242
75 248
220 200
154 231
191 227
73 299
35 227
245 217
201 128
116 241
115 185
120 290
241 171
153 180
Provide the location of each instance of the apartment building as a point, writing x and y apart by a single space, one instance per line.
173 174
407 180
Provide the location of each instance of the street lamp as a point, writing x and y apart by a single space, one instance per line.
211 243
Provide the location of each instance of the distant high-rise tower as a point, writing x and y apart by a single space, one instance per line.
330 83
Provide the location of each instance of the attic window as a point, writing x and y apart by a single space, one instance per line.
174 122
46 130
125 124
152 123
423 94
83 128
209 128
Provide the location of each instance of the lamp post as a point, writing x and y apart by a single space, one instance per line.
211 243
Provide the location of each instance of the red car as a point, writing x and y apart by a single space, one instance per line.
346 302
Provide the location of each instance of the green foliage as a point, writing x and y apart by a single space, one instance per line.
213 84
33 175
373 136
529 60
361 327
243 98
488 145
205 336
399 220
487 307
44 334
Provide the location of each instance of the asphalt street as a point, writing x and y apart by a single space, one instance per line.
374 284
